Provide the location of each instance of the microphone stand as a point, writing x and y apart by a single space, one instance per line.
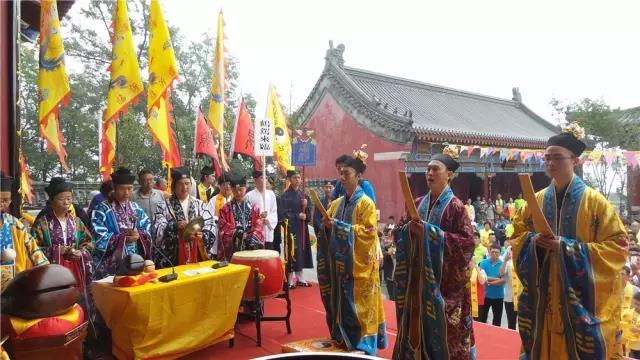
169 277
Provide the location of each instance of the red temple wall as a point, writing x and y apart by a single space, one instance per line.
634 186
337 133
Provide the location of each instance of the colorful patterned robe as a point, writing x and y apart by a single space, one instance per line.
13 235
165 229
433 304
246 216
47 231
570 304
349 275
109 221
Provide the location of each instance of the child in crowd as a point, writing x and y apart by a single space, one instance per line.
631 328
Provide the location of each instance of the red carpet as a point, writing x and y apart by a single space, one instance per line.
307 321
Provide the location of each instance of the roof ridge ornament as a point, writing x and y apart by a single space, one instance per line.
517 97
334 55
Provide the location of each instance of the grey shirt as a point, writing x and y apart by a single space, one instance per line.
148 203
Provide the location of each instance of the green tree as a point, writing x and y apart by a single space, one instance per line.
88 53
605 126
42 163
606 129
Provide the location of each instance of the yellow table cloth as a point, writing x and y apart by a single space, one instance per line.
169 320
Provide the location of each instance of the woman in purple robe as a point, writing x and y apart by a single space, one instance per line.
62 235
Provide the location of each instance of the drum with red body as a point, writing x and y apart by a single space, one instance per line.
271 276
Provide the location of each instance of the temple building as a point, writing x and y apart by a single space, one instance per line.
631 117
404 122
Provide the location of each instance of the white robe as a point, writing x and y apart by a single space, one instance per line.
255 198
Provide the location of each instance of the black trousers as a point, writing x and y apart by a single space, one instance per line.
634 354
512 314
496 308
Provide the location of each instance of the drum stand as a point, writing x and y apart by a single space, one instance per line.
258 315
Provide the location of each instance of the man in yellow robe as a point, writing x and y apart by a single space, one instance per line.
18 249
631 328
206 187
348 266
224 196
570 304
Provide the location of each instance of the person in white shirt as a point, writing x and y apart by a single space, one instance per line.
266 201
511 289
146 196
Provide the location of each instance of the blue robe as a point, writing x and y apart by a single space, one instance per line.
298 245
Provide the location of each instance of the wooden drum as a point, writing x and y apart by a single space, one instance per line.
271 276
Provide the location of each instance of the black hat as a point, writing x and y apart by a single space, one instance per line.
329 182
238 181
56 186
123 176
206 170
257 174
179 173
342 159
5 182
356 164
225 177
569 139
293 172
448 161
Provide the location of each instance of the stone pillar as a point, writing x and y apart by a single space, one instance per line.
485 186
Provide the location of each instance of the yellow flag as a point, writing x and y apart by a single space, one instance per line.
163 69
107 148
216 105
53 84
282 142
159 125
25 181
125 85
596 155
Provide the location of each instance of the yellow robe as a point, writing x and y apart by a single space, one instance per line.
516 285
484 237
473 284
627 296
28 254
631 329
365 293
512 210
202 192
219 200
591 233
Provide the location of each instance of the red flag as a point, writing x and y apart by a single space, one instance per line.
203 143
243 137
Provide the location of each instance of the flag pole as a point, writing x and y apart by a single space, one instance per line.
304 207
264 179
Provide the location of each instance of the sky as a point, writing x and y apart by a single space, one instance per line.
563 49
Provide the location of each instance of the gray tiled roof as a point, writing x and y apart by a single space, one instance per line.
630 115
437 108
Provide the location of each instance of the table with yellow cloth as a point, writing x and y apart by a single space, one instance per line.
169 320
